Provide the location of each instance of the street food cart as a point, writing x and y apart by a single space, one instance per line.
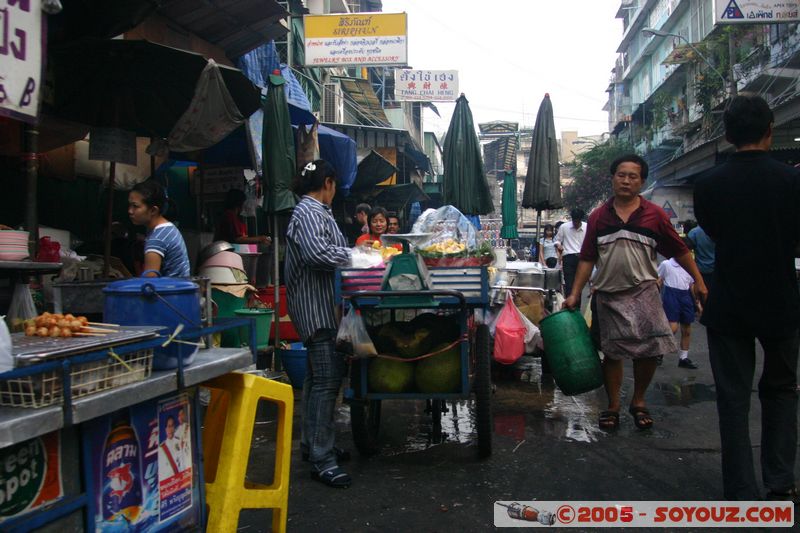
449 297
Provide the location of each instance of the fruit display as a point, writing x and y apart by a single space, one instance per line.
449 252
440 372
446 247
56 325
387 375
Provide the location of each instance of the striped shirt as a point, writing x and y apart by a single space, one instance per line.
166 241
314 248
626 252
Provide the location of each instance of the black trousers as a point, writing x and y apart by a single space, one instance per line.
570 266
733 365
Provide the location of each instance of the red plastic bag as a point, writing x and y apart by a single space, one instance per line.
509 334
49 251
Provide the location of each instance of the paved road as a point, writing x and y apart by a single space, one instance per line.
546 446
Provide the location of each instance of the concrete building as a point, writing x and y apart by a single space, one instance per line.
669 87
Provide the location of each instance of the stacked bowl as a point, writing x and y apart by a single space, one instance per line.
13 245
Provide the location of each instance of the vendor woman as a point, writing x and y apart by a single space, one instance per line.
164 249
378 223
232 228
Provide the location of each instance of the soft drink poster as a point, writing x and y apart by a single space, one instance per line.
144 465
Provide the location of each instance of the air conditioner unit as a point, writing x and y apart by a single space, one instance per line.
332 103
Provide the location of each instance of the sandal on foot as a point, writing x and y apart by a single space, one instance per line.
609 420
641 417
333 477
342 456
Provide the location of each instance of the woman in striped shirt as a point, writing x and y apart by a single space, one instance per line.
314 248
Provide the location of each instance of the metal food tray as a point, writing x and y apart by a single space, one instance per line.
30 350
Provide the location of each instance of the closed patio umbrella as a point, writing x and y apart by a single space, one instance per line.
465 186
278 167
509 208
543 180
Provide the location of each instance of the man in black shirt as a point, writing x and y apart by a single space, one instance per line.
755 296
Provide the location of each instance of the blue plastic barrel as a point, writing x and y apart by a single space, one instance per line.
156 302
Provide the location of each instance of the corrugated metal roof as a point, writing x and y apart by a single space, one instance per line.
237 26
363 103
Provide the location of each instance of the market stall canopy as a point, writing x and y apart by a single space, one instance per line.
372 170
236 26
397 197
340 151
143 87
543 180
465 185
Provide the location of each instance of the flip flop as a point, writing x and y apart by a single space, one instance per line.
342 456
641 417
609 420
333 477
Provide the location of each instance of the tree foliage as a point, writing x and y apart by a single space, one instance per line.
591 182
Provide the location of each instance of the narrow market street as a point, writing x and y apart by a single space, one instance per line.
546 446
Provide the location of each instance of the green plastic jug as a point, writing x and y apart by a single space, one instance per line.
570 353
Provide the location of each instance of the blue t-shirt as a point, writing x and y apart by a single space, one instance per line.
704 250
166 241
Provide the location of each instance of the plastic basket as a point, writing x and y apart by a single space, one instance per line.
44 389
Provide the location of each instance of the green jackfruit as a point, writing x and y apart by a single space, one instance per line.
441 372
386 375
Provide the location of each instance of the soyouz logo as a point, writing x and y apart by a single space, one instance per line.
667 514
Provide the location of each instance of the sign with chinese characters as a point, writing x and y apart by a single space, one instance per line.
426 85
756 11
356 39
21 51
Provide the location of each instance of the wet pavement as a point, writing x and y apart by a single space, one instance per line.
547 446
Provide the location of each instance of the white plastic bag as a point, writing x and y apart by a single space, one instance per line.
353 338
6 359
21 308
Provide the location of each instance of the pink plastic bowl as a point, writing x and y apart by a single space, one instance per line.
225 259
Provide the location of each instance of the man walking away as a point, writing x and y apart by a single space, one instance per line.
570 238
703 248
755 296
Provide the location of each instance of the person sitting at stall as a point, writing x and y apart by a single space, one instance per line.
231 227
393 225
164 249
377 227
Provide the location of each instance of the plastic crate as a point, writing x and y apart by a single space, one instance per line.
44 389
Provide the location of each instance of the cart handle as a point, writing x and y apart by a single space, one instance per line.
386 294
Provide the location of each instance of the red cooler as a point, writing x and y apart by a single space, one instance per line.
287 331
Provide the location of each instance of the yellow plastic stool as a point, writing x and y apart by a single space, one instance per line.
228 431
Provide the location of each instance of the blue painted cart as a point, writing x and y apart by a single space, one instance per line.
458 291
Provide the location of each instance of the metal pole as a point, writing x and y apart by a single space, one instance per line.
276 319
31 158
109 219
732 89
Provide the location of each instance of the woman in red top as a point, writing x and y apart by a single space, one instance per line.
231 227
377 222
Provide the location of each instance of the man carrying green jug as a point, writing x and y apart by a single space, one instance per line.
623 238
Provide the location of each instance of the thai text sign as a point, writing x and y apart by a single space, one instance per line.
356 39
20 58
756 11
426 85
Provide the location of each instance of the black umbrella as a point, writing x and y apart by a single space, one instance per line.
134 85
465 186
543 180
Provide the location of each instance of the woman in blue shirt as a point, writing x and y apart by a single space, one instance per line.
548 252
164 249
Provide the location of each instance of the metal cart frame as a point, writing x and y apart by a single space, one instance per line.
459 289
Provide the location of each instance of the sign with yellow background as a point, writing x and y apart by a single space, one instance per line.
356 39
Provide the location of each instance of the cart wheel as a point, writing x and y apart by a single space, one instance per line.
365 422
483 390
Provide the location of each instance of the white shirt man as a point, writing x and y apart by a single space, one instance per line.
569 240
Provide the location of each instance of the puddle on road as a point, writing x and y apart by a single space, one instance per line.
681 394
